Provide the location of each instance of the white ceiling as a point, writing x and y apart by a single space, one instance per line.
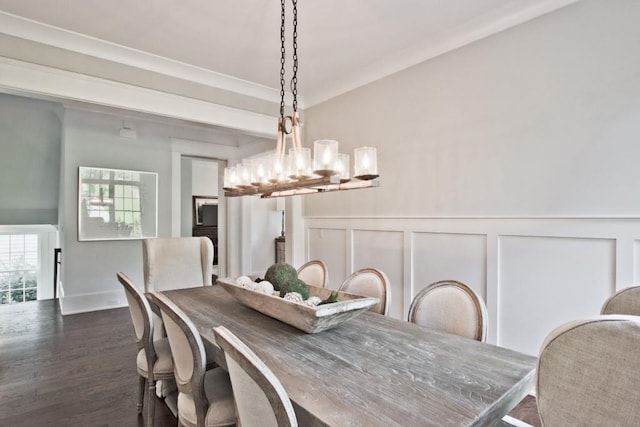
343 44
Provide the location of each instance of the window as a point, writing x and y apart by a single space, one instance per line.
27 262
18 268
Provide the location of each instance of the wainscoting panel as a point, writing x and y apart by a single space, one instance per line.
447 256
330 246
382 250
534 273
547 281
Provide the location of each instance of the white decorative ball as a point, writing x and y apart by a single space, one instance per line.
293 297
243 281
265 287
313 301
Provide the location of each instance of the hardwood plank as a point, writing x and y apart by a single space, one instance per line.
77 370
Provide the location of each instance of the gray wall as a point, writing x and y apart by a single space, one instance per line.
92 139
30 133
542 119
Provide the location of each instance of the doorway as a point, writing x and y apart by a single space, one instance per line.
201 214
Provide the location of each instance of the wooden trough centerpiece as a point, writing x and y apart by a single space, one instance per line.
306 318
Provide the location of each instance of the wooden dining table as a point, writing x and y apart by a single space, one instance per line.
372 370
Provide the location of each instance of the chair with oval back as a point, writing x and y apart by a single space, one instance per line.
150 353
625 301
586 374
205 398
370 282
313 273
450 306
260 397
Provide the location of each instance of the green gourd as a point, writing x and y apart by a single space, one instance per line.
296 285
281 274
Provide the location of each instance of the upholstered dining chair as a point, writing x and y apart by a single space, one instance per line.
314 273
177 262
587 373
625 301
205 398
450 306
154 354
370 282
260 398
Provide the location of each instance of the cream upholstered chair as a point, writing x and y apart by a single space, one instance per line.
205 398
313 273
587 373
370 282
150 353
177 263
260 398
625 301
450 306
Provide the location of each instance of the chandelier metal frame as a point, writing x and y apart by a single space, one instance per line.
244 180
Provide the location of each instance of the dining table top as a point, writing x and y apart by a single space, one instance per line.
372 370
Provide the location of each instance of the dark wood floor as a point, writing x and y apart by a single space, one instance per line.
79 370
76 370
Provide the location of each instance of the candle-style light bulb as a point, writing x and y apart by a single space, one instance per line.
342 166
325 152
300 163
366 164
326 157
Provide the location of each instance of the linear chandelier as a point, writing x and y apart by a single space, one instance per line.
280 174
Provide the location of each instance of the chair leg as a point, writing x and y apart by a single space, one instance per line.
151 405
141 386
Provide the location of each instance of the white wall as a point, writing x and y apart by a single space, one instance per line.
186 176
509 164
204 178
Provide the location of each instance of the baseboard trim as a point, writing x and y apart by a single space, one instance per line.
73 304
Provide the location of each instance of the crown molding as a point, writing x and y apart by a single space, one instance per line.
467 33
27 29
509 16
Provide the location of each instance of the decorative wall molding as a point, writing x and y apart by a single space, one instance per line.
556 268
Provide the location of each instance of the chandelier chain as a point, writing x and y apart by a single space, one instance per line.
294 79
282 56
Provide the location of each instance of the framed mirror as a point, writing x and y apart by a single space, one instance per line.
115 204
205 210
